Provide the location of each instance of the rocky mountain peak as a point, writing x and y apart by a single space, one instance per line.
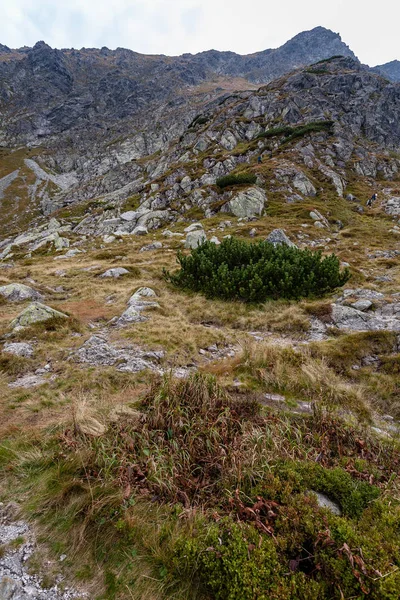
311 42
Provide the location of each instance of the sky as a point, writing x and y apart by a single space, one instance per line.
370 28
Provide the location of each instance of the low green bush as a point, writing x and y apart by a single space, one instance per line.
239 179
233 562
292 133
237 270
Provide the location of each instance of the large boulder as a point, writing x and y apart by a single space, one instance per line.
291 174
249 203
18 292
35 313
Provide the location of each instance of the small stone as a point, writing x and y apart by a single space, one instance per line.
131 315
362 305
108 239
324 502
275 397
215 240
153 246
167 233
142 292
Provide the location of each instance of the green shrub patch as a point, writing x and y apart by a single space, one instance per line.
237 270
240 179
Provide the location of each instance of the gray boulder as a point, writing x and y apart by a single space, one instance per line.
362 305
116 272
345 317
130 215
278 237
137 299
195 238
249 203
35 313
18 292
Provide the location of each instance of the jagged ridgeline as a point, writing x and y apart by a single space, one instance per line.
237 270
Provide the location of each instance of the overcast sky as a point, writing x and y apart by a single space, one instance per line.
370 28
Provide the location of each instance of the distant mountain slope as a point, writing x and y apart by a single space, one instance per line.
391 70
45 92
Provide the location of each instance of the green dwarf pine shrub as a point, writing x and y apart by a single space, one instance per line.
291 133
239 179
256 272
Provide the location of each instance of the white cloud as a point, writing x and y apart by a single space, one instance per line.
177 26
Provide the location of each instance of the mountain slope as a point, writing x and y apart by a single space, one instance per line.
391 70
55 91
169 445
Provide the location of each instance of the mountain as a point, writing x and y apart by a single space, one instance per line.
89 113
234 439
391 70
51 92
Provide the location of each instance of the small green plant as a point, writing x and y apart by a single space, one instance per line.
239 179
237 270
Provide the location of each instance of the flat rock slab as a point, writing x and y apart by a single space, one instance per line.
153 246
97 351
29 381
349 318
19 349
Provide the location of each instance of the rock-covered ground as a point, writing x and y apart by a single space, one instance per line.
17 581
